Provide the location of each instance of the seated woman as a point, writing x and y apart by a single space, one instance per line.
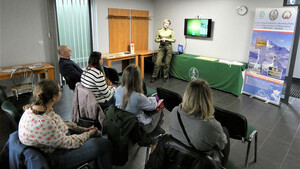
93 79
129 97
41 127
197 116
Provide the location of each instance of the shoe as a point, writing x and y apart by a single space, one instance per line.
152 79
165 79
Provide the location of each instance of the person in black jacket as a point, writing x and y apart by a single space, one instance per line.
67 68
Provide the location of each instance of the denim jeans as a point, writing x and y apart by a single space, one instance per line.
97 148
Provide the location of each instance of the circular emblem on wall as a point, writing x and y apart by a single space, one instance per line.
262 14
287 15
193 73
273 14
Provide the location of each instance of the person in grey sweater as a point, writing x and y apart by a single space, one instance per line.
197 114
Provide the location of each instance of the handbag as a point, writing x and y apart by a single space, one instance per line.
217 155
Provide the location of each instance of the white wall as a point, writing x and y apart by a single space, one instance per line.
23 25
24 22
231 33
102 15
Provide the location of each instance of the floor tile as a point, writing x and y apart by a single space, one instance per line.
291 162
274 149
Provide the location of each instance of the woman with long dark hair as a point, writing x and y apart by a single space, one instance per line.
94 80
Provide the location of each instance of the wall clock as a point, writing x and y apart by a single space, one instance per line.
242 10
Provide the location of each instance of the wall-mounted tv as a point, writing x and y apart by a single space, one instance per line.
197 27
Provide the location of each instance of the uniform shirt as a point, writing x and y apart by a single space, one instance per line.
48 132
136 104
165 33
93 79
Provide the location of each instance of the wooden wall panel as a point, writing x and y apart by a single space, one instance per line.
140 29
118 12
119 30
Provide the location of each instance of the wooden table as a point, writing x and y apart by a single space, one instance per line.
111 57
143 54
38 68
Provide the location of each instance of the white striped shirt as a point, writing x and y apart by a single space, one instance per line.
93 79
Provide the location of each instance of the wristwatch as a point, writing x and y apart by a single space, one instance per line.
242 10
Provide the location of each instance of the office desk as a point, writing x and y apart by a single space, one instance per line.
221 76
143 54
38 68
111 57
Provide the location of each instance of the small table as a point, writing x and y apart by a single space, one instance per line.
38 68
143 54
111 57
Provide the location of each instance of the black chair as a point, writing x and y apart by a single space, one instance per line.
12 113
112 74
238 128
171 99
3 96
17 155
172 154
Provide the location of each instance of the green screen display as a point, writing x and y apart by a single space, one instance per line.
197 27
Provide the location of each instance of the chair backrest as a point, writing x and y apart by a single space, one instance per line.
23 80
172 154
3 96
171 99
112 74
86 111
235 123
12 113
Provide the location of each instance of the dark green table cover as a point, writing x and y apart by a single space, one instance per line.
220 76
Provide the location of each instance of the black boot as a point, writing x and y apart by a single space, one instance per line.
152 80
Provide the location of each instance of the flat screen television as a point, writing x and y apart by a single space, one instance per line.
197 27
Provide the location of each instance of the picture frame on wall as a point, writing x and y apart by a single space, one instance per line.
291 2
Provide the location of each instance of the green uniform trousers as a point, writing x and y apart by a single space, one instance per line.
160 55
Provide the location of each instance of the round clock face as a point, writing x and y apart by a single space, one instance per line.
242 10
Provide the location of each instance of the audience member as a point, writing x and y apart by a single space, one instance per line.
67 68
129 97
197 116
41 127
93 79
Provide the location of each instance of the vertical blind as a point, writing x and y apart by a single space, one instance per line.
73 20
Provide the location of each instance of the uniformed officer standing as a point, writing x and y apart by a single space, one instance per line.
165 36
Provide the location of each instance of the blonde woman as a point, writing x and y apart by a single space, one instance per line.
41 127
129 97
197 115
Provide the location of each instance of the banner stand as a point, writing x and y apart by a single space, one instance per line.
271 48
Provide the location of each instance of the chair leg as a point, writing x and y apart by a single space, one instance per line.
255 150
247 155
147 154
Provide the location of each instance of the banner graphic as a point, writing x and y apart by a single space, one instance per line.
270 50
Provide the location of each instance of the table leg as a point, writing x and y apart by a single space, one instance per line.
51 74
142 66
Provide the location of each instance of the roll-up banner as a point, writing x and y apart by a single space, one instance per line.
270 50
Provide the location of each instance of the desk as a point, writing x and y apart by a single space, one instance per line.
221 76
143 54
38 68
109 58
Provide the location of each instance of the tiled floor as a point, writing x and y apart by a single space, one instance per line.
278 128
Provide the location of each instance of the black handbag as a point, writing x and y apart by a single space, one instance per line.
216 157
